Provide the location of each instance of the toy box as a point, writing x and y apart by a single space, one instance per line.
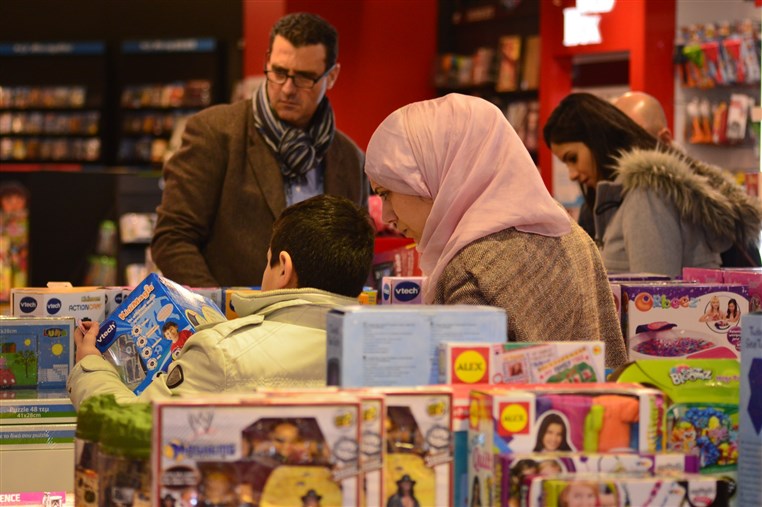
402 290
683 320
521 362
397 345
113 297
701 406
461 401
557 418
750 409
621 491
150 327
515 467
88 303
419 453
227 296
467 362
550 362
637 277
36 351
267 451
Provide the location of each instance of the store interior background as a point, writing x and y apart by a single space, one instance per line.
388 49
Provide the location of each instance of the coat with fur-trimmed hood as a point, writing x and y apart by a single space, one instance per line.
664 211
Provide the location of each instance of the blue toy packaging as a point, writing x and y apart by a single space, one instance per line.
150 327
36 351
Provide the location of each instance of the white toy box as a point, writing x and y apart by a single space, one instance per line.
150 326
36 351
398 345
82 303
402 290
683 320
257 451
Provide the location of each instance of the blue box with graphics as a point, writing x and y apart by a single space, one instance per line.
36 351
150 327
402 290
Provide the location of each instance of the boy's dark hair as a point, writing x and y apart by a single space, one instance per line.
168 324
330 241
306 29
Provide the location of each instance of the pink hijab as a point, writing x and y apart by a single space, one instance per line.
461 152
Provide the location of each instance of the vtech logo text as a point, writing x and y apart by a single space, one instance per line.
54 306
406 291
27 304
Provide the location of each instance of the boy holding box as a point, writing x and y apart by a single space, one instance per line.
279 340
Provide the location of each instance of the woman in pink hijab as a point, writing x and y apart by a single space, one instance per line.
453 175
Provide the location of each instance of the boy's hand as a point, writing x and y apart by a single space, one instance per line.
85 342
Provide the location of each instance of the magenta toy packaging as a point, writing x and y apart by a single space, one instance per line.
515 467
624 491
751 277
257 450
419 445
557 418
683 320
150 327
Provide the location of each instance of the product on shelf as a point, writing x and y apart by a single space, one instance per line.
90 418
750 413
680 319
36 352
402 290
397 345
258 450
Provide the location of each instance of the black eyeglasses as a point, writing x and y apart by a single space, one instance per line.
300 80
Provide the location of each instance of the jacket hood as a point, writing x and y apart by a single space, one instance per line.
703 194
249 304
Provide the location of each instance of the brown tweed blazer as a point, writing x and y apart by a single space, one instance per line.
553 289
223 190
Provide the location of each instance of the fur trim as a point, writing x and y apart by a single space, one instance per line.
703 194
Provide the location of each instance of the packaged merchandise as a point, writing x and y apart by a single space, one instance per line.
263 451
621 491
551 362
36 351
419 447
750 410
149 328
227 297
397 345
683 320
521 362
558 418
90 418
461 401
59 300
402 290
123 464
513 468
701 406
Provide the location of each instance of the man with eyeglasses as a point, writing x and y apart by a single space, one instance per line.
241 164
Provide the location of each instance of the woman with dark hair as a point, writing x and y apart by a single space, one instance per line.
552 434
733 315
655 209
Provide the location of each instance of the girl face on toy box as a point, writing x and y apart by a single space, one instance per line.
579 494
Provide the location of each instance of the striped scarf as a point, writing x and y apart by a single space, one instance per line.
298 151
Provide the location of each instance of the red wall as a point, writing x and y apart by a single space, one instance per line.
386 50
644 28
